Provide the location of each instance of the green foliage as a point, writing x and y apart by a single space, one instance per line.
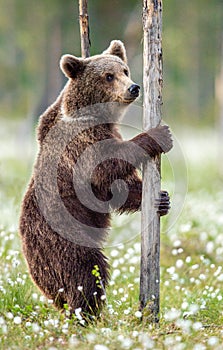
96 273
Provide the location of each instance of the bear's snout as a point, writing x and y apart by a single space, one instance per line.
134 90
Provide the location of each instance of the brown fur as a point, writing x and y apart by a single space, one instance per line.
61 260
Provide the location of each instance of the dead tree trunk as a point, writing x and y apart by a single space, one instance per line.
84 29
150 231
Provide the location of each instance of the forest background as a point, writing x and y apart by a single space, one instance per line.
34 35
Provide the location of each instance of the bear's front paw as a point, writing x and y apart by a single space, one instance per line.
163 203
161 135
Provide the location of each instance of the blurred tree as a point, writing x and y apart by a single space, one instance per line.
191 54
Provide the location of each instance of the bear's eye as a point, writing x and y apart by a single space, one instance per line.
109 77
126 72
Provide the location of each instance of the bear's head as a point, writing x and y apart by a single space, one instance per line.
98 79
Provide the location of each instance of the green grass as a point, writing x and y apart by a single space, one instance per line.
191 307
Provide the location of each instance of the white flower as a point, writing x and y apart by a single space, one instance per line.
103 297
126 343
116 273
169 340
80 288
111 311
115 263
42 298
78 313
194 308
138 314
20 280
35 296
78 310
120 337
61 290
17 320
171 270
137 247
202 276
91 337
134 260
132 269
4 329
184 305
210 247
195 266
100 347
172 314
73 340
114 253
35 327
212 341
220 277
188 259
218 271
146 341
179 263
199 347
9 315
185 325
126 312
177 243
197 326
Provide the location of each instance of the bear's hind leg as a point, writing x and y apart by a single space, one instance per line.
88 291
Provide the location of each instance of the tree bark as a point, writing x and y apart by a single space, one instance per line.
150 225
84 29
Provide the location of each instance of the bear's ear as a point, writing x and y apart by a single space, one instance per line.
71 65
117 48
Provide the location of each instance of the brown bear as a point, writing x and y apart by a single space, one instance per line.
84 171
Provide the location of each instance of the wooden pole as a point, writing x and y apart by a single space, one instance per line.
84 28
150 225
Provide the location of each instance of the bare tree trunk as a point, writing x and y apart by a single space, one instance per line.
53 77
84 28
150 231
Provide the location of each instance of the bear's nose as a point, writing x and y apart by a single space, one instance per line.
134 90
